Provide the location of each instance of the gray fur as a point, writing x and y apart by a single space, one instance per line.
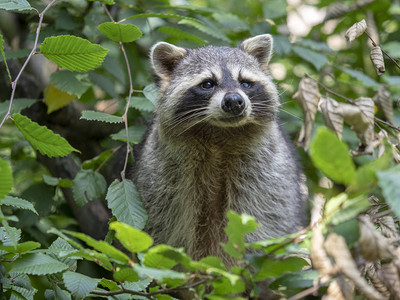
193 166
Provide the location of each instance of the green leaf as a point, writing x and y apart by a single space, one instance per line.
66 81
275 268
18 203
108 2
331 156
222 285
3 55
237 227
340 208
151 92
125 203
211 31
18 5
138 286
273 9
18 105
365 79
231 22
78 284
9 236
21 248
318 60
6 179
73 53
100 116
99 160
58 249
142 104
126 274
88 185
102 247
117 32
158 275
365 179
392 47
317 46
41 138
297 280
180 34
52 181
109 284
135 134
38 264
131 238
164 257
389 182
92 255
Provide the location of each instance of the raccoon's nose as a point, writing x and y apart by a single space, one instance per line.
233 103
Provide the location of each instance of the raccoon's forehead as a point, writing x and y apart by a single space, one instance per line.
213 61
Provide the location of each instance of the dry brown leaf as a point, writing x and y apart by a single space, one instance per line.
319 257
332 112
340 289
377 59
336 247
356 30
388 227
373 245
308 97
383 99
390 278
373 273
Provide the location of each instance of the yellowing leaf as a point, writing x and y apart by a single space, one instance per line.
56 99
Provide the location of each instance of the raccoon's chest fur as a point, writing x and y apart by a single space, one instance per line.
188 187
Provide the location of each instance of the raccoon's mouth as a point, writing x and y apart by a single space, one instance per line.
232 119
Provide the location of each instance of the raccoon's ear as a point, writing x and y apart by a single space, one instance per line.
260 47
165 57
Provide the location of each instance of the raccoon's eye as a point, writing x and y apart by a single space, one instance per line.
246 84
208 84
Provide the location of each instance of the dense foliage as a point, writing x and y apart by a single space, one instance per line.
75 91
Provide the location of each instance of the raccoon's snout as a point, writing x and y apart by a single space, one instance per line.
233 103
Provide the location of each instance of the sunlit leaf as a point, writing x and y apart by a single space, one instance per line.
131 238
41 138
117 32
73 53
332 157
56 99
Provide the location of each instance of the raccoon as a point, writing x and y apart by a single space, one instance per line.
215 144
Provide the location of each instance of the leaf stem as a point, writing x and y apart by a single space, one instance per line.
131 90
33 51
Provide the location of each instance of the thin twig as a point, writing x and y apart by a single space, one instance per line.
131 90
33 51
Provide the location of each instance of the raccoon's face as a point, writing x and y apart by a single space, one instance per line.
218 86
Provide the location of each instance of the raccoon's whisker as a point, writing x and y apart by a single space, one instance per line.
192 114
194 124
297 117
